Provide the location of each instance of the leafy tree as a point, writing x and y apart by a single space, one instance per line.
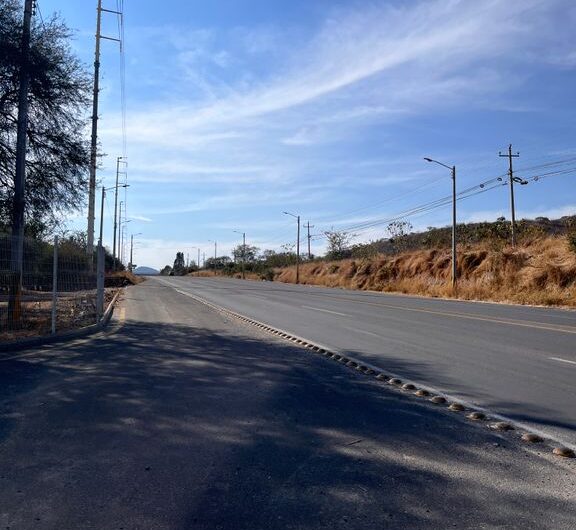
246 253
166 271
271 258
221 262
58 155
338 244
179 267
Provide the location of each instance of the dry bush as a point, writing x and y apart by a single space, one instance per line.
539 271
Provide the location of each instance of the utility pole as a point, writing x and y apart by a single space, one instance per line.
94 137
131 252
102 215
17 246
511 178
198 263
308 226
203 259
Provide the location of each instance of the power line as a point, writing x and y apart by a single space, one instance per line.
478 189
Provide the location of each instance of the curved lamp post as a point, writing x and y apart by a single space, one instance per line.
453 172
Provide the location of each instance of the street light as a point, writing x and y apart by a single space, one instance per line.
119 160
243 251
104 190
122 231
297 217
453 171
198 249
131 264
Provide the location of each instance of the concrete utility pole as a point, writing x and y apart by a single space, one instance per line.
17 246
94 137
102 215
309 237
511 178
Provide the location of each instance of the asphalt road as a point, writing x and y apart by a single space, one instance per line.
514 360
180 418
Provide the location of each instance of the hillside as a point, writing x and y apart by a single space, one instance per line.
146 271
539 271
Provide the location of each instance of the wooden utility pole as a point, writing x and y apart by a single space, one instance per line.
17 246
511 178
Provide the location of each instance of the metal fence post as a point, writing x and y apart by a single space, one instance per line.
100 284
54 285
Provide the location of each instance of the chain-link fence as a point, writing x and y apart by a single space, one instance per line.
59 289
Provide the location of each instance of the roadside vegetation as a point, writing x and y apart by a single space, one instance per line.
540 269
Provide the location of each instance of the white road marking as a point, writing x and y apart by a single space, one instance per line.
353 330
562 360
325 311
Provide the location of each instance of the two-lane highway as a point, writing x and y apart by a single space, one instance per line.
517 361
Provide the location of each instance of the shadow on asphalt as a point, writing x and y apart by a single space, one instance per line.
169 426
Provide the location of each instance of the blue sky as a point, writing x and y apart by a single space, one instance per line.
240 109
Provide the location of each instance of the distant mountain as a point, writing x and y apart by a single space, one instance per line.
146 271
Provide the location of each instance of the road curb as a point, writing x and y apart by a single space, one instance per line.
24 344
519 431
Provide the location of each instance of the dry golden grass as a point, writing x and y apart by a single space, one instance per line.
212 274
541 272
123 277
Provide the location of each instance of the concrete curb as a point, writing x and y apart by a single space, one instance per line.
24 344
475 413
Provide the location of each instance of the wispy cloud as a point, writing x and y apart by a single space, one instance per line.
400 58
141 218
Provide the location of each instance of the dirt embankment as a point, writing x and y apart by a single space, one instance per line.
539 272
122 279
